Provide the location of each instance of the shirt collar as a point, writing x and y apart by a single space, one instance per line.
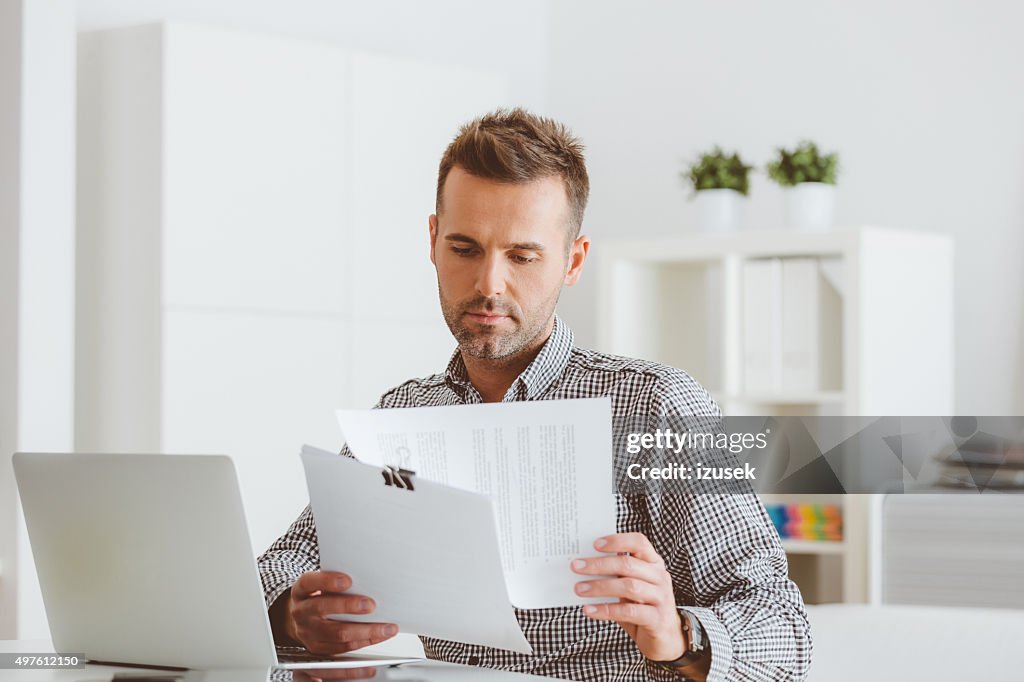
549 364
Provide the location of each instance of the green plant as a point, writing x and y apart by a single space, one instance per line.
803 164
717 170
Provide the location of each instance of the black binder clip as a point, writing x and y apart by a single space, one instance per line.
399 478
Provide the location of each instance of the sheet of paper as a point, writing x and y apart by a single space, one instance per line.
546 464
429 556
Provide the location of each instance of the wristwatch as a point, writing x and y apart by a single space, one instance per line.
697 638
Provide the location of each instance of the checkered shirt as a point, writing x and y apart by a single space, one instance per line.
727 565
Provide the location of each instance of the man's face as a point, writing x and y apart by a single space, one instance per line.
501 257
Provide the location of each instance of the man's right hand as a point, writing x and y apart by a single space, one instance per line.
318 594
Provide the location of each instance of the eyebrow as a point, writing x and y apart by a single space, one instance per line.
521 246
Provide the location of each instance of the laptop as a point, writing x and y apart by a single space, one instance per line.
146 559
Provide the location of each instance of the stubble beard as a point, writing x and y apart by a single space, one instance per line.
486 343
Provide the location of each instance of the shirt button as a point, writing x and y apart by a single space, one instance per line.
474 660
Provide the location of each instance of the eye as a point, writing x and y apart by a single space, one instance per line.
462 250
522 259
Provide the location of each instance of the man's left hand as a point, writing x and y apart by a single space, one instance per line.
647 605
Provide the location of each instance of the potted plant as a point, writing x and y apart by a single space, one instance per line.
720 183
809 180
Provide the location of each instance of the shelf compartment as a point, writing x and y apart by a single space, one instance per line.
793 546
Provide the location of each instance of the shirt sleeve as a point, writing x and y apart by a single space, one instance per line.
294 553
728 567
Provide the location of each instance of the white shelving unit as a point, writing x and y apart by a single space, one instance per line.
680 301
813 547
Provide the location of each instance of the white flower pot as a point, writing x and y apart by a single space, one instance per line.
811 206
719 210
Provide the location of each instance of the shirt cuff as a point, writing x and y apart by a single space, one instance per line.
275 580
718 639
274 592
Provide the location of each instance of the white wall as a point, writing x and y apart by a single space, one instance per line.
490 36
10 229
37 162
924 102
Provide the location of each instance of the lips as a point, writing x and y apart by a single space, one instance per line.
486 317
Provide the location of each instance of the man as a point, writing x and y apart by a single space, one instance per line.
701 579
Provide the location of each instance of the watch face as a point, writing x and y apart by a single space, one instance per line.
694 631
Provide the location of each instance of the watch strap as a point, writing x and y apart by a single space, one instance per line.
697 640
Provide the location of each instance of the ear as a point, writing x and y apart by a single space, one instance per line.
577 256
432 221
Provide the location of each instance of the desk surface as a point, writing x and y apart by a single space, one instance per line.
853 643
426 671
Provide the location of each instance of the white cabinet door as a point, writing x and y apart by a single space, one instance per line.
255 156
255 387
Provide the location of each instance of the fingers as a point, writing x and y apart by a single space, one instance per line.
326 674
314 582
357 633
310 616
640 580
642 615
327 605
315 600
636 544
646 607
622 566
334 637
631 589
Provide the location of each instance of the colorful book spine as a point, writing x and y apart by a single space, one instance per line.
800 521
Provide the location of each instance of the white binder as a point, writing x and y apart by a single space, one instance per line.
801 337
762 330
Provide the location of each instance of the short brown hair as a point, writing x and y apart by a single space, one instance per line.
515 146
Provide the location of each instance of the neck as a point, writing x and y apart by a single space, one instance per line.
492 378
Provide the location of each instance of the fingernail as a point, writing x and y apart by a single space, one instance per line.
600 542
364 604
589 609
583 587
579 564
390 630
341 584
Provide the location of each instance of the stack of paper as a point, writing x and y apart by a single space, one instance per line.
502 498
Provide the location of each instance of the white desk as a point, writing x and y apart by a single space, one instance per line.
928 643
851 643
427 671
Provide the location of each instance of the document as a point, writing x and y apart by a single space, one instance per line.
426 553
547 465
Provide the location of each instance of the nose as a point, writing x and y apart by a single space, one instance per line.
490 280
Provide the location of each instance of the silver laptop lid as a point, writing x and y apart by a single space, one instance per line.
145 559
